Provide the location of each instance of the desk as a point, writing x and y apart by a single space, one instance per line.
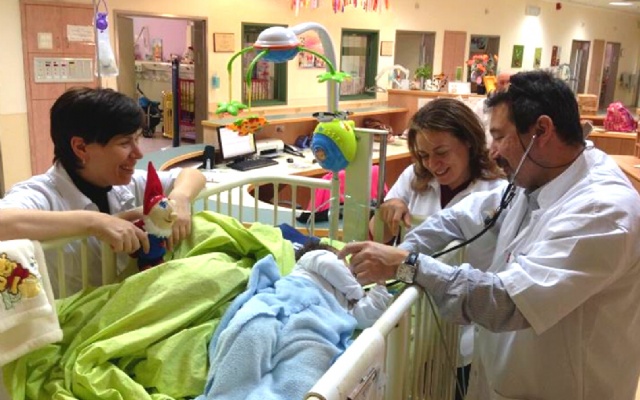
630 166
296 124
610 142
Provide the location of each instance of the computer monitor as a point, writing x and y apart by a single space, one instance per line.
233 146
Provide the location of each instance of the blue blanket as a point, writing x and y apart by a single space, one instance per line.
276 339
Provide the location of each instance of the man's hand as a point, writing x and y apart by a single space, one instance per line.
393 212
122 235
373 262
182 225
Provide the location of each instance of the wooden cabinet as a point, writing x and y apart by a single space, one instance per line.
51 30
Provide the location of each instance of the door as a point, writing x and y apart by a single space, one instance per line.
414 49
579 61
453 53
51 32
595 72
199 44
609 74
126 62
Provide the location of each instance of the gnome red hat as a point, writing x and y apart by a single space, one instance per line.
152 191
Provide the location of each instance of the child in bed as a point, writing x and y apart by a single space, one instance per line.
319 263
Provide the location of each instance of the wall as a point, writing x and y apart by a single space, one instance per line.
172 32
483 17
14 132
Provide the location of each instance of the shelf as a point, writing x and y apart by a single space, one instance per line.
295 118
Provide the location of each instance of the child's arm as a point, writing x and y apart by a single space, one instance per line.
368 309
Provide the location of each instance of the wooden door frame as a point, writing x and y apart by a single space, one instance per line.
200 74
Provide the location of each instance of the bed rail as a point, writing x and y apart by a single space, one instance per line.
82 255
409 353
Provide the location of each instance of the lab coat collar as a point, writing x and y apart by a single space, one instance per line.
61 180
120 197
554 190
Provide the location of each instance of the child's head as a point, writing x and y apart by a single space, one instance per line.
311 245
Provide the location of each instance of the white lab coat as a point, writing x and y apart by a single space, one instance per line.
424 204
55 191
574 274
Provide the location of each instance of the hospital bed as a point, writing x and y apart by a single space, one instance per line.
409 353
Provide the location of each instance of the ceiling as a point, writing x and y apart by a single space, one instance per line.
634 8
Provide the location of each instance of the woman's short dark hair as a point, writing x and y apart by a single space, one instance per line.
454 117
95 115
535 93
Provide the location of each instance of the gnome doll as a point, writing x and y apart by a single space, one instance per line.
157 221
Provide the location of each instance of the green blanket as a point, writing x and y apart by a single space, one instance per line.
147 337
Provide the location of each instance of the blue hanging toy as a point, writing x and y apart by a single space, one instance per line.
334 141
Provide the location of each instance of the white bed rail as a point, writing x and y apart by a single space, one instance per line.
83 254
409 353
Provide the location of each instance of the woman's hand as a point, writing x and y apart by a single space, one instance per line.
182 225
393 212
120 234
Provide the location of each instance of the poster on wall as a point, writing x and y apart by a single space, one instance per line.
555 56
537 58
516 59
310 40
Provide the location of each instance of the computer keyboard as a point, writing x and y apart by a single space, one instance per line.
252 163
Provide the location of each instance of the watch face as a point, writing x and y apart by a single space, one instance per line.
405 273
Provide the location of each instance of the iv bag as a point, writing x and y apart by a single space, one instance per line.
106 60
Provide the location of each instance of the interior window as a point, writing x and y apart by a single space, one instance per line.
359 58
269 80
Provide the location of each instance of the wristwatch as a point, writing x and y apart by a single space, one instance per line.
406 271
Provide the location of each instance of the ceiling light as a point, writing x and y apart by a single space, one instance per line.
619 3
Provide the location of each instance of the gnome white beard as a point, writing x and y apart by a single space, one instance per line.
153 229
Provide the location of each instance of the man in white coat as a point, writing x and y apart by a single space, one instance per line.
557 310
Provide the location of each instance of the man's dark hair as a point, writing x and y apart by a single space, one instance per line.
311 245
535 93
96 115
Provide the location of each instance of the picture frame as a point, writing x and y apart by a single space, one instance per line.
537 58
223 42
386 48
518 53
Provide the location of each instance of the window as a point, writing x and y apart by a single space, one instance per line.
269 80
359 58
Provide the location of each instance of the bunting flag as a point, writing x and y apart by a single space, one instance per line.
339 5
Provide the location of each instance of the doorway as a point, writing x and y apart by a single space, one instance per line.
413 50
609 74
578 63
146 44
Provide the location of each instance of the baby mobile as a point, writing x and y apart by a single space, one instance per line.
276 44
334 140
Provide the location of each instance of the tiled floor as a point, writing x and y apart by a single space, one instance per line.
158 142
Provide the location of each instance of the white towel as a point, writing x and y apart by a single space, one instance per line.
28 318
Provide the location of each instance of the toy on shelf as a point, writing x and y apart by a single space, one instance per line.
276 44
158 219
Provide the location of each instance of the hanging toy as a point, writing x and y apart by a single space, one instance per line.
277 45
106 61
334 141
158 218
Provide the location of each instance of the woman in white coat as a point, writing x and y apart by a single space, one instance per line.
451 160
